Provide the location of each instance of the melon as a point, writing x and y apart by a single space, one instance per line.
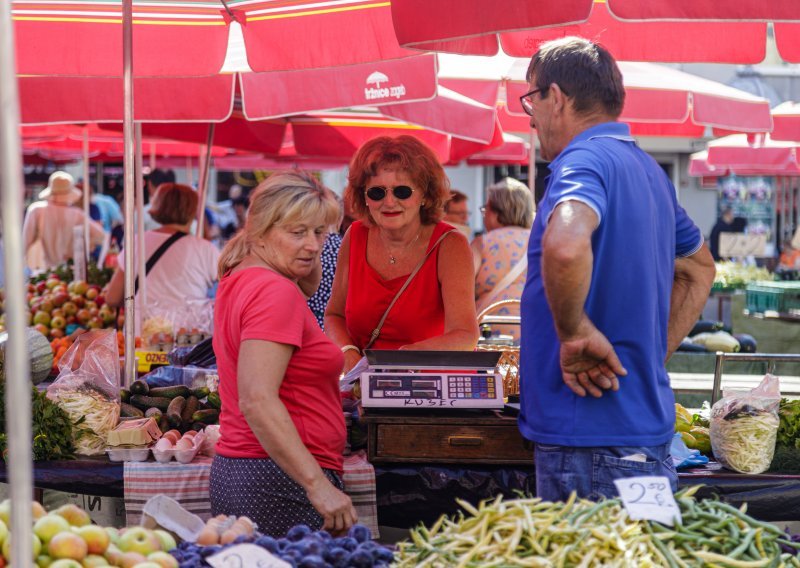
40 353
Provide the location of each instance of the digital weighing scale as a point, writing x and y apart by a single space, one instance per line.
432 379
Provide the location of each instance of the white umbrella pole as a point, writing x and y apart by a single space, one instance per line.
86 195
203 183
532 164
18 385
129 186
140 250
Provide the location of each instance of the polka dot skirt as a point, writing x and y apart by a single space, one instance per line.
260 490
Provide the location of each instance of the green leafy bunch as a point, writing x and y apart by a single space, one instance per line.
54 434
789 427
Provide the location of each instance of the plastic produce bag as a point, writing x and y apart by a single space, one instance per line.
682 456
744 425
87 388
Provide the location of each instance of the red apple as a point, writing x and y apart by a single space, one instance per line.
47 305
56 333
83 316
92 293
52 283
80 287
57 312
59 298
41 287
100 300
67 545
95 323
71 319
96 538
79 300
43 329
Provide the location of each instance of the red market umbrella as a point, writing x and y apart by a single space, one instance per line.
514 150
743 155
190 37
660 100
786 117
659 30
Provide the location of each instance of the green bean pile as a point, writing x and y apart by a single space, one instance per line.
581 533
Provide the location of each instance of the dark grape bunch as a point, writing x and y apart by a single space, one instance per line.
302 548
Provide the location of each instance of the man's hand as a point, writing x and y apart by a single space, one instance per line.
589 362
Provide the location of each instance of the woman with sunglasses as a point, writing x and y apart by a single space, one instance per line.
397 188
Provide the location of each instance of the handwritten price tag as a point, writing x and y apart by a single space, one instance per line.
649 498
246 556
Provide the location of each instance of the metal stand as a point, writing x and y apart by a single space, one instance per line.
769 358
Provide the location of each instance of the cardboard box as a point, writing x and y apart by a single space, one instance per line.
139 432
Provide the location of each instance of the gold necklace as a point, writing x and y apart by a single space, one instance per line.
392 258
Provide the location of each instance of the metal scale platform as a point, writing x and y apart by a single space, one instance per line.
432 380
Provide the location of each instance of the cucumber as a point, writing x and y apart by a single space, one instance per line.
175 409
139 387
214 400
191 406
144 402
198 427
124 395
128 410
163 424
210 416
155 413
201 392
171 392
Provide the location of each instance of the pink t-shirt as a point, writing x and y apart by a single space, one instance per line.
257 303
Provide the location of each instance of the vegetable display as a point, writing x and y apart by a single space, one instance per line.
582 533
99 412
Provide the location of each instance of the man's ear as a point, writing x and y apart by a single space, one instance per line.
559 98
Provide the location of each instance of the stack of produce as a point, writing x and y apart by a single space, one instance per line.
300 547
532 532
693 429
66 538
735 276
713 336
177 407
787 443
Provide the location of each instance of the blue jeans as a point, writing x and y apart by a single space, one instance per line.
591 471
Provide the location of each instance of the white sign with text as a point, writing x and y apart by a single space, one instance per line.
649 498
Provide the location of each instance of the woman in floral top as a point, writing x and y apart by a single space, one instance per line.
507 217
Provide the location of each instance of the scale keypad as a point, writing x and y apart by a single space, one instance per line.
470 386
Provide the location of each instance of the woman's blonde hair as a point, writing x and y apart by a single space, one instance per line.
512 201
174 203
282 199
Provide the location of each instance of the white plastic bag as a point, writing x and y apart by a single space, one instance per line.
744 425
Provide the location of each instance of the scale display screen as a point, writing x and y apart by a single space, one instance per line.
428 390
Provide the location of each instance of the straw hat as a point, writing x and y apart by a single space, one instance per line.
61 189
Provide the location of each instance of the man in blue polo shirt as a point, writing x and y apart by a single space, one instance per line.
617 276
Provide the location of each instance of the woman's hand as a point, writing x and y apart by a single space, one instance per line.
333 505
351 358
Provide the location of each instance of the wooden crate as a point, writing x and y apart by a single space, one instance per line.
430 438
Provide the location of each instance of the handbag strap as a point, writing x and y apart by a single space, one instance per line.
507 280
377 331
157 254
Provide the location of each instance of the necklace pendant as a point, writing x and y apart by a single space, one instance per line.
392 260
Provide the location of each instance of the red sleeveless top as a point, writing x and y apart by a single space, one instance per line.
418 313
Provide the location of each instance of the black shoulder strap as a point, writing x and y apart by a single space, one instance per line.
158 253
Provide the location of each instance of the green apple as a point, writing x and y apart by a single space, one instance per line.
131 559
43 561
49 526
66 563
163 559
76 516
67 545
37 548
3 532
94 561
139 539
96 537
167 540
113 534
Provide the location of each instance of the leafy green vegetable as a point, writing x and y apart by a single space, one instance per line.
789 428
53 432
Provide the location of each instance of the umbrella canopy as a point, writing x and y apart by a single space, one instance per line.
743 155
786 117
190 37
659 30
514 150
659 100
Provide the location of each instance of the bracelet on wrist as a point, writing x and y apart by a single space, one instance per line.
347 348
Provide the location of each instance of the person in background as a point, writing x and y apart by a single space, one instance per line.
49 224
507 217
397 188
790 256
152 181
279 457
456 212
185 269
617 276
109 209
328 258
725 224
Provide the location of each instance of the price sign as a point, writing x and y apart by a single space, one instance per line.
740 244
648 498
246 556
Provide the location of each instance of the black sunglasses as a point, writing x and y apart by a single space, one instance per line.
378 192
